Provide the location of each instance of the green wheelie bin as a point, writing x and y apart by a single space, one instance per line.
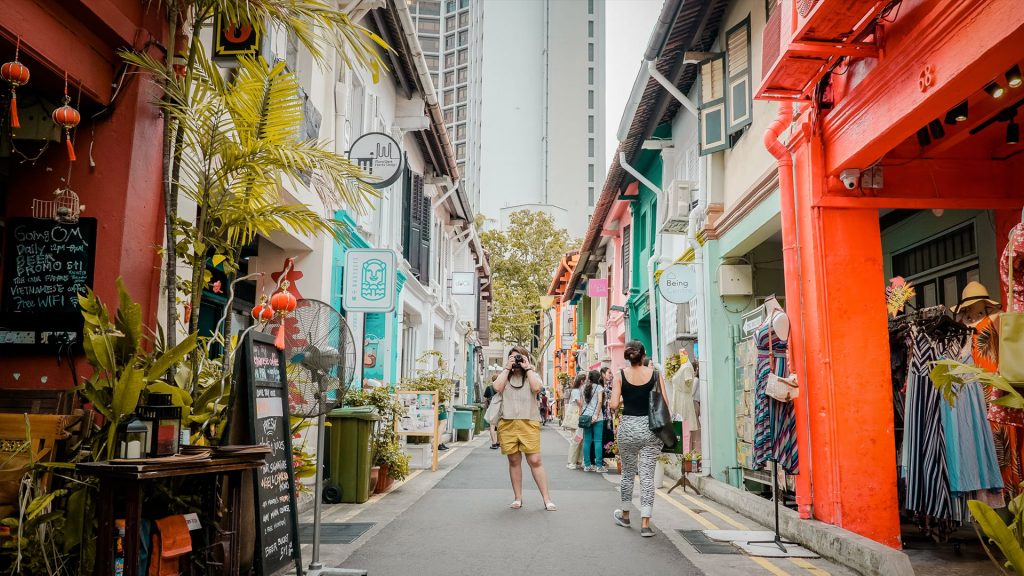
351 451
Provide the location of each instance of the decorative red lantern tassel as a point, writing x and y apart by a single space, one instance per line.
16 74
71 148
279 339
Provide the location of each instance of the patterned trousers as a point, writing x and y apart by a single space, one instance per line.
638 449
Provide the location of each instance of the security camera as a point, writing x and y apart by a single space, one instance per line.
850 178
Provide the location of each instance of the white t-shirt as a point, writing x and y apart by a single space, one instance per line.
575 395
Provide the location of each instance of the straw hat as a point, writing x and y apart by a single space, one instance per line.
973 293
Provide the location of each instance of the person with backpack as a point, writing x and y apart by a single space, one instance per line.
592 422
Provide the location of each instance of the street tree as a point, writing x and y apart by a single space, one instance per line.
523 258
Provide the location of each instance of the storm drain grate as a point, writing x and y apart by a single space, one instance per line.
701 543
336 533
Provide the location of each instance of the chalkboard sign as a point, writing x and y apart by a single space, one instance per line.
266 386
45 265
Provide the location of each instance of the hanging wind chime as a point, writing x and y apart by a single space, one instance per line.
16 74
67 117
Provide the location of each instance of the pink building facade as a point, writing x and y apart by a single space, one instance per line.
619 220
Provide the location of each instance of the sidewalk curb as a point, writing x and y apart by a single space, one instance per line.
833 543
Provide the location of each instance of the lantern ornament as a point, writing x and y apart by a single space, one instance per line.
262 312
282 303
67 117
16 74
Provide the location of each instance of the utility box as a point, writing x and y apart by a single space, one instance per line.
735 280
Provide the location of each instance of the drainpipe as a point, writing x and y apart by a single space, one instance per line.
652 262
791 261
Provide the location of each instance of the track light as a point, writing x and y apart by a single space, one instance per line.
957 113
1013 132
923 138
935 127
994 89
1013 77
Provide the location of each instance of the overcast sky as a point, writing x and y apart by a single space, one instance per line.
628 28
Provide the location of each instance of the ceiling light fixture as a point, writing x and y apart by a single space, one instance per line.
957 113
923 138
935 127
1013 132
1013 77
994 89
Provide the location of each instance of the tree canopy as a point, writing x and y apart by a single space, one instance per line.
523 258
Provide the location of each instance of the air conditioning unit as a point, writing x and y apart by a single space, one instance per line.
678 203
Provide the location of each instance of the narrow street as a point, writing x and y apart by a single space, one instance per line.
456 521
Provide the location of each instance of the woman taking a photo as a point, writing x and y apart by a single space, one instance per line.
638 446
519 426
593 408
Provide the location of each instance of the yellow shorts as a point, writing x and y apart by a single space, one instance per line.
519 436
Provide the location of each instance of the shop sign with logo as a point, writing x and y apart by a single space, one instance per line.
369 280
379 156
678 283
463 283
234 40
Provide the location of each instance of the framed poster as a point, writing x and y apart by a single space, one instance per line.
419 417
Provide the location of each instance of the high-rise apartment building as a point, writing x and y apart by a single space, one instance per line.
543 109
450 33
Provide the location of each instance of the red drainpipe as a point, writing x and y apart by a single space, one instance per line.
794 292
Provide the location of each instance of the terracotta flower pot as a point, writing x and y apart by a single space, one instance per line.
384 481
374 477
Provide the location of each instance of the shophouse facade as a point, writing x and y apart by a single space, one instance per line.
927 131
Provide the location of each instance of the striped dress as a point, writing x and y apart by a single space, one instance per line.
774 421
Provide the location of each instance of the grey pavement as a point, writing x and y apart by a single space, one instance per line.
456 521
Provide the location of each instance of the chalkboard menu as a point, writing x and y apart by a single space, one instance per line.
276 516
46 264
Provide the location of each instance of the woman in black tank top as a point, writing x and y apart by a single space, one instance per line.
638 446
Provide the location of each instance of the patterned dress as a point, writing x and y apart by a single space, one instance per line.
774 421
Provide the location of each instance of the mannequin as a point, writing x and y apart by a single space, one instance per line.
682 392
780 321
775 422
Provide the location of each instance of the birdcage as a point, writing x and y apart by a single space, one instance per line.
64 207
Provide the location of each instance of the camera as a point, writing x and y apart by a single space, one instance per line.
518 358
850 178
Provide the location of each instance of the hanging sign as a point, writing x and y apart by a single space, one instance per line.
463 283
369 280
234 40
678 283
380 156
597 288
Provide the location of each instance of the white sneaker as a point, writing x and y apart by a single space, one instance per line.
601 469
571 466
588 468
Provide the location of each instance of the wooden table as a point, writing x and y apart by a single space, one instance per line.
126 481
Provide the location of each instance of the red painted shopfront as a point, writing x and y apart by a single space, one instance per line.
873 84
118 145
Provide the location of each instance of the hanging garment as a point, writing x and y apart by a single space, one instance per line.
683 394
970 451
924 453
774 421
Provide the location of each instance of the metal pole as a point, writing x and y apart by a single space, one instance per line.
315 564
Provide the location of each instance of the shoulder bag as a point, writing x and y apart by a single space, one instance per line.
659 418
586 419
781 388
493 413
1011 327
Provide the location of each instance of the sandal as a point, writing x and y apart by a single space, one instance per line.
550 506
516 504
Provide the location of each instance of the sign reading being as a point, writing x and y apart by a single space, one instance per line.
369 280
463 283
380 156
678 283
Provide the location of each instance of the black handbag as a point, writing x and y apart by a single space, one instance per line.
659 418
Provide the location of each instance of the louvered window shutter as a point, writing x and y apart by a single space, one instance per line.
626 247
738 69
415 225
407 214
426 226
712 123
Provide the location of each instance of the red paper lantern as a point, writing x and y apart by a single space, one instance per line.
263 312
67 117
283 301
16 74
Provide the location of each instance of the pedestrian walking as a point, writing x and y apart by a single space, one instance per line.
593 431
492 427
572 419
519 426
639 447
543 407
